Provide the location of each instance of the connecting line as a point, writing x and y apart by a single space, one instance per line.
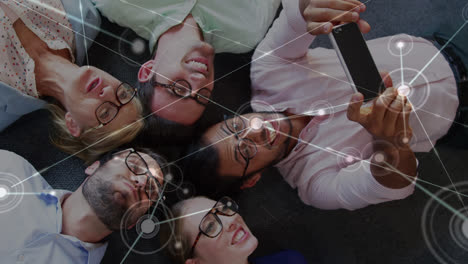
401 66
436 152
443 203
438 52
448 119
141 233
84 33
26 193
71 17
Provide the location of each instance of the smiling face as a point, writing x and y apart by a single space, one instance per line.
111 189
265 132
88 89
181 55
234 244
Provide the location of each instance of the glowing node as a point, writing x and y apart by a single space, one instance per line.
400 45
169 177
147 226
138 46
53 193
185 191
379 157
178 245
256 123
349 159
405 140
321 112
229 204
403 90
465 228
3 192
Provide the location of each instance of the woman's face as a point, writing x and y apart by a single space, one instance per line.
85 92
234 244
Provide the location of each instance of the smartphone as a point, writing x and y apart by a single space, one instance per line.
356 60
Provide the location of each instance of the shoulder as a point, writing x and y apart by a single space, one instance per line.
15 169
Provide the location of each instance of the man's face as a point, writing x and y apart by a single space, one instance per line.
192 64
113 189
267 133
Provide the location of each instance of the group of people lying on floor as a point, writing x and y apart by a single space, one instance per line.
307 121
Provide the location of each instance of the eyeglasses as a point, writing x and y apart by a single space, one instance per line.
138 166
183 89
245 146
210 225
107 111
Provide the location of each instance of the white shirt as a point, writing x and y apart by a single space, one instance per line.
290 79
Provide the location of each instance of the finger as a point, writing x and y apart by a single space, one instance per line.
340 5
386 79
382 103
354 109
330 15
316 28
363 26
403 123
393 112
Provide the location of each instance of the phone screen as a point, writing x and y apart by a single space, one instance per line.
359 63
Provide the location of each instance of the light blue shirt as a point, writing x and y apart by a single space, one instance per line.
30 224
234 26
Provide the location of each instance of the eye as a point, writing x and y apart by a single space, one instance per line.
210 227
104 113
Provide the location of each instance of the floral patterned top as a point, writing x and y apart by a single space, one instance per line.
45 18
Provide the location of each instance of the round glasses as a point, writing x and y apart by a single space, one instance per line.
210 225
245 146
183 89
107 111
138 166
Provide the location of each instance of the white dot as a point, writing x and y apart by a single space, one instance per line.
405 140
379 157
3 192
52 193
147 226
349 159
256 123
229 204
400 44
169 177
178 245
321 112
185 191
138 46
403 90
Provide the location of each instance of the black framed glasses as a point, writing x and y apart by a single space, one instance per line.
183 89
107 111
138 166
246 147
210 225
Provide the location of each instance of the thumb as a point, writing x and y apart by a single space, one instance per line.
388 82
354 108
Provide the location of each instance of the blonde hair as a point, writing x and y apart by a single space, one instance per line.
91 144
178 247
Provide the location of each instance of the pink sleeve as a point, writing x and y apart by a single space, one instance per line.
349 190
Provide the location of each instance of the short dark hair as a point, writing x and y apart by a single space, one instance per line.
200 166
159 131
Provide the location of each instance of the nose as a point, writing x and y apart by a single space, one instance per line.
107 93
139 180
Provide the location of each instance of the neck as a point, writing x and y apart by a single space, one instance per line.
298 123
53 74
80 221
184 33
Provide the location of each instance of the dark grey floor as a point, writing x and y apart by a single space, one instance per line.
387 233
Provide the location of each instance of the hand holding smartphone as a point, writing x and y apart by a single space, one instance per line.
356 60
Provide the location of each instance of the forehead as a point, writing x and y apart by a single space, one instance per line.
197 209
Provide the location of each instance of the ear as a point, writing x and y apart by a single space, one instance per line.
251 181
90 170
146 71
72 125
